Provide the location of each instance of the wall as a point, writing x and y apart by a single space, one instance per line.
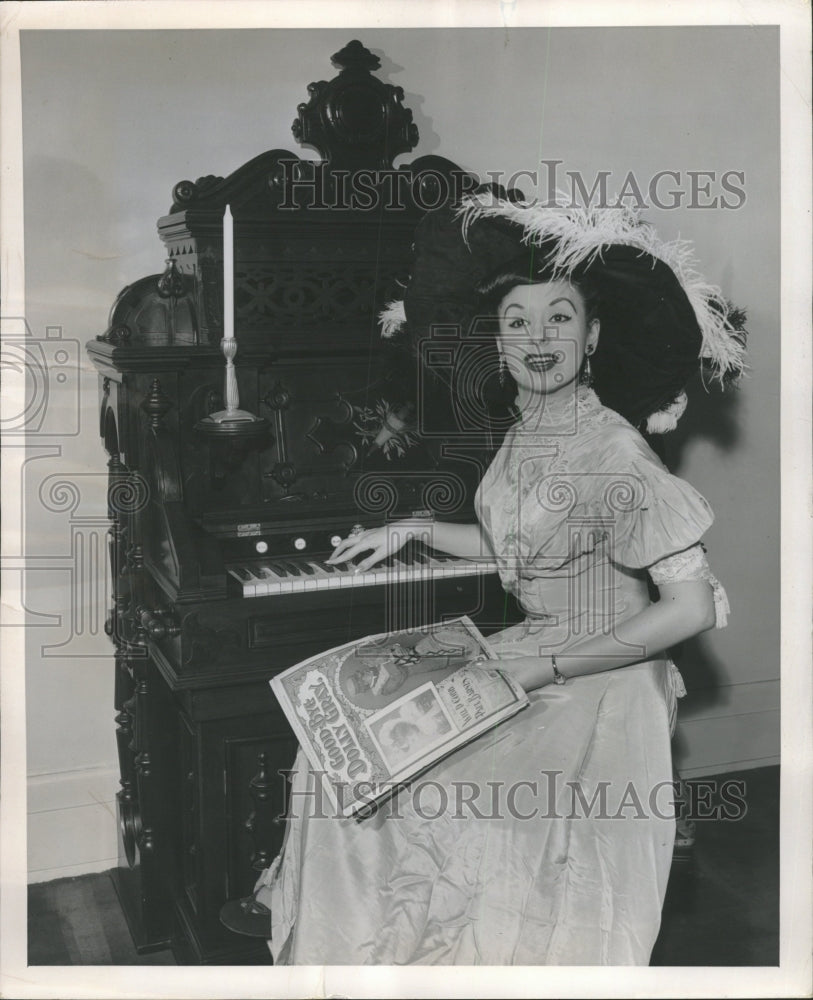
112 120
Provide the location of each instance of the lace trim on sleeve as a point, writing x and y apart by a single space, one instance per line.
691 564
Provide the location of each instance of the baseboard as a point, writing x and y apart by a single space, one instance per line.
72 823
738 765
731 728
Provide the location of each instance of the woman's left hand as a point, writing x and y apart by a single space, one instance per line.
530 672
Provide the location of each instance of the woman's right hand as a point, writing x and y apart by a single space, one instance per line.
379 542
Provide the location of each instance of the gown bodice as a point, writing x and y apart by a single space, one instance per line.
577 506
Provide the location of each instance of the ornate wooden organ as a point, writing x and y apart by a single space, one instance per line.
218 536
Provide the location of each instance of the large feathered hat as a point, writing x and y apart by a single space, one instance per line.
661 323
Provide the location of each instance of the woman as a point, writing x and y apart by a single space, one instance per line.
549 839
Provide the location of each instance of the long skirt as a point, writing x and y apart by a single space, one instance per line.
547 841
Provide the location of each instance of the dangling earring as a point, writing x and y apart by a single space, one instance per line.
503 375
586 377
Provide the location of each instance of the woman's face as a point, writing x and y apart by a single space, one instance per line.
544 334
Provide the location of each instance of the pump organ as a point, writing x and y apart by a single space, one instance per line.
219 534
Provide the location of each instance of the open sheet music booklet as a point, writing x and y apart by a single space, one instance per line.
374 713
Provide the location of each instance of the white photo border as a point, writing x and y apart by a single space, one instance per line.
793 976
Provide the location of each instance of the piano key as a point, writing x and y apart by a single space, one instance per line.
447 566
347 574
326 566
425 567
276 580
240 572
329 575
247 580
322 578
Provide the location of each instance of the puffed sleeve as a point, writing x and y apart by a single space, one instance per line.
691 564
653 513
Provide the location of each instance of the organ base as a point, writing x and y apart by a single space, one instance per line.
209 801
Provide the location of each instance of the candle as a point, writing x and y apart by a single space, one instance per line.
228 274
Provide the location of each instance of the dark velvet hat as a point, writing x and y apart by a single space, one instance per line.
660 322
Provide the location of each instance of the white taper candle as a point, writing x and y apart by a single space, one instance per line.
228 274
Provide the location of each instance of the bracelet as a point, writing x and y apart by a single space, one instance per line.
558 678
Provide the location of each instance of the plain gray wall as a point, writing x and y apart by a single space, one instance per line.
113 119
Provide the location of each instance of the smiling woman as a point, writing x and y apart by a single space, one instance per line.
581 518
547 331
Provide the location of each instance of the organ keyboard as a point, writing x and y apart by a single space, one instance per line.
289 576
220 532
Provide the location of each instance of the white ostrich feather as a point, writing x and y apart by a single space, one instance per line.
666 419
392 318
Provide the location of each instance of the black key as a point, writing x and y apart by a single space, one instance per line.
307 569
278 568
242 573
291 568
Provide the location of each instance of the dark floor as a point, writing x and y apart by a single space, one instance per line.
722 907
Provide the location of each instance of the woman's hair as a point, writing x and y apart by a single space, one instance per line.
524 270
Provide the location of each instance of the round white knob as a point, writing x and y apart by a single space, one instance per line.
300 544
336 540
261 547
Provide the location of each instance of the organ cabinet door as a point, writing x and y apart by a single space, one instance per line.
219 531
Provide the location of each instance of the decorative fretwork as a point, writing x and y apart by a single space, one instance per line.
302 294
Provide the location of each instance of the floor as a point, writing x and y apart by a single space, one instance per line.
722 907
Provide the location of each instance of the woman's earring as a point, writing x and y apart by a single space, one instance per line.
503 376
586 377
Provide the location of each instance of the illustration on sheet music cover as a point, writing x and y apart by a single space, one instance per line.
372 714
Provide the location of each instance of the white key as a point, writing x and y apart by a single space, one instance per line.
268 584
277 583
249 586
322 578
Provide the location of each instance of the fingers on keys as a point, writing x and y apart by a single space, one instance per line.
370 561
348 548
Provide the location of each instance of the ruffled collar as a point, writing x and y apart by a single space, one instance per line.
549 414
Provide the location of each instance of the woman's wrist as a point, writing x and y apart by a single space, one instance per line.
536 672
410 528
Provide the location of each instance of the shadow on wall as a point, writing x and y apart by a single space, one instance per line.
389 72
713 415
703 674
